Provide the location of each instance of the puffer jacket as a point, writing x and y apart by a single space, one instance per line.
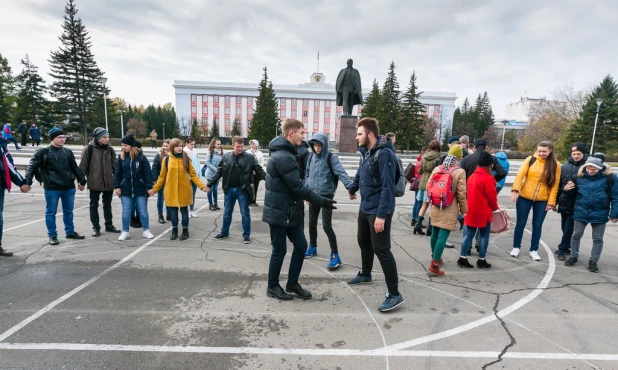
504 162
133 176
99 169
376 179
428 163
285 191
594 202
529 184
212 162
195 160
156 167
446 218
568 172
302 154
58 171
318 175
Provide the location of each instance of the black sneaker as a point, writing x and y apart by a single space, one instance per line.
301 292
592 266
75 235
5 253
112 229
53 240
571 261
246 240
221 237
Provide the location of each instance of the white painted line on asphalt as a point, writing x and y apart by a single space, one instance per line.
474 324
40 219
305 352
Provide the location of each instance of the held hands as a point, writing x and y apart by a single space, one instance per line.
379 225
514 196
151 192
117 191
614 220
352 196
329 204
205 189
80 187
25 188
548 208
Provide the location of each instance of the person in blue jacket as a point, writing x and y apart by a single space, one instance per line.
35 134
323 172
8 175
596 201
213 158
504 162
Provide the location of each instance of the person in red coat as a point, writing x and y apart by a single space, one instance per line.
483 200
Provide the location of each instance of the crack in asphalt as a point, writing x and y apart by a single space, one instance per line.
508 332
216 226
24 261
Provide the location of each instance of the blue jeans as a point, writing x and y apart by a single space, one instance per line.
1 214
483 233
67 197
161 201
278 236
230 198
417 207
567 222
523 207
141 204
192 207
213 194
14 142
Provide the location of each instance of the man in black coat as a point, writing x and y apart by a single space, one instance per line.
471 162
23 131
284 210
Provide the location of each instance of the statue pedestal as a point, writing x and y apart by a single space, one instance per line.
347 134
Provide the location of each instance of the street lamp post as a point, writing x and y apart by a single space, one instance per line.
103 81
163 130
599 102
121 123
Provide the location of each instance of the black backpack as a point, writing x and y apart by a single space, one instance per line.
329 159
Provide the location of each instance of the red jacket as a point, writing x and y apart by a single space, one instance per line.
482 198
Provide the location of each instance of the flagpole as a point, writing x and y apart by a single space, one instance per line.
318 61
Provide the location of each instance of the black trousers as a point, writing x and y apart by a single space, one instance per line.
256 183
24 137
278 235
107 207
378 244
327 225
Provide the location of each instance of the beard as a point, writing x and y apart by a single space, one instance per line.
364 142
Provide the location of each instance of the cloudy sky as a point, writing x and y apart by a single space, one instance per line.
462 46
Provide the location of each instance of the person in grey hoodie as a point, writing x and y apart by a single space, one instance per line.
322 173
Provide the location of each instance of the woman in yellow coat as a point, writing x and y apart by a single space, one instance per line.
177 172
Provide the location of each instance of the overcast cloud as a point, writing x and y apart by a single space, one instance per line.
466 47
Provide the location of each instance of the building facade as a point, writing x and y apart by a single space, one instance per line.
312 103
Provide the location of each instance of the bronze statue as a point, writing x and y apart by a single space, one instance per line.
348 87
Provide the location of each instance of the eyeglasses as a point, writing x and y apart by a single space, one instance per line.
61 137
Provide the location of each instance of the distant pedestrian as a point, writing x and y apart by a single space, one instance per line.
153 139
566 203
428 163
417 203
236 168
98 163
324 171
535 188
23 133
213 158
132 180
259 156
7 134
58 172
9 175
156 170
195 162
504 162
35 134
177 175
284 209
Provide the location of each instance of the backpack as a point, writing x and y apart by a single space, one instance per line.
400 180
440 188
330 167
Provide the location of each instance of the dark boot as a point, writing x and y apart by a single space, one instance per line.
434 269
211 207
5 253
168 217
418 228
482 264
429 231
96 233
185 234
174 235
463 262
413 223
217 207
161 219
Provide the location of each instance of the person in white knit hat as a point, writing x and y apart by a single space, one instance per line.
259 156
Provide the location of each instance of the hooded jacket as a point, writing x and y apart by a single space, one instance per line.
530 185
592 203
212 162
428 163
99 169
195 160
302 154
376 180
13 175
285 190
504 162
318 175
568 172
133 176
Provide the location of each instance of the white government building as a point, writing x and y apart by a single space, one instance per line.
312 103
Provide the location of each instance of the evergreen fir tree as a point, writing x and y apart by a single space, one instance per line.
77 78
372 101
236 128
266 122
606 138
390 108
410 126
7 87
214 130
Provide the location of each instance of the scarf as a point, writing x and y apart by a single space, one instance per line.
178 155
218 151
450 161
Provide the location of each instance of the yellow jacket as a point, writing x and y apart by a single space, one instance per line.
178 191
529 184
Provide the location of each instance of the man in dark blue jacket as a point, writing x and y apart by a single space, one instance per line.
375 179
8 174
284 210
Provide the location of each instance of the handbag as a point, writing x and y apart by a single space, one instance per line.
414 184
501 222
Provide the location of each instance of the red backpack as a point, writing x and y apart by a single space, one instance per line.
440 191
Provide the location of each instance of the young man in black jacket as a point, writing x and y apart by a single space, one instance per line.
236 168
284 210
471 162
58 173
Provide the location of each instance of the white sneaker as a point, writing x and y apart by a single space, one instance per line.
124 236
515 252
535 255
147 234
193 214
